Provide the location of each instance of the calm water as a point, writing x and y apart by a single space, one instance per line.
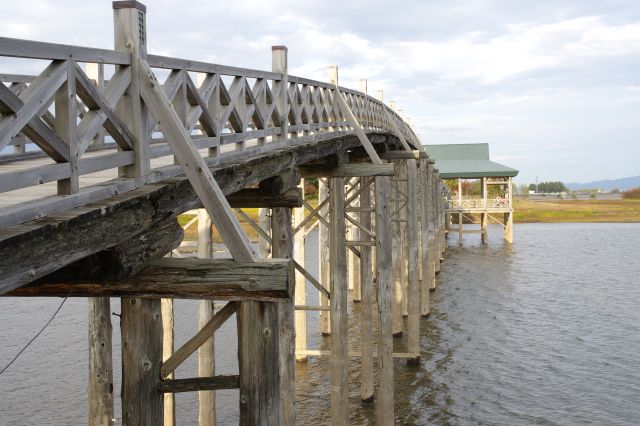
546 331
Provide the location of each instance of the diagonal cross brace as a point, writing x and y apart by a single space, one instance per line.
194 166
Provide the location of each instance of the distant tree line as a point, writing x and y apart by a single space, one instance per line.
548 187
633 193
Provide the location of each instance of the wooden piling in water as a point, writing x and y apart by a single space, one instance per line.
366 307
323 259
100 382
413 289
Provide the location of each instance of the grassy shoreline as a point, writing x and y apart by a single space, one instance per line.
585 211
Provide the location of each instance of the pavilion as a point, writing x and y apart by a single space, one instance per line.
495 202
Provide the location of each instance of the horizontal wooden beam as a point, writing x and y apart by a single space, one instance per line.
186 278
403 155
348 170
258 198
200 384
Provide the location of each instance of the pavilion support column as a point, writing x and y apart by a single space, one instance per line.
508 227
166 307
366 308
323 258
434 255
413 289
141 331
460 229
384 285
301 282
100 383
282 247
404 238
425 250
206 352
442 222
339 296
484 219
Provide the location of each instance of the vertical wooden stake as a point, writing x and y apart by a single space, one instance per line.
166 308
397 244
425 255
282 234
323 258
366 307
206 352
301 282
384 409
141 331
432 208
413 290
100 383
339 347
404 238
354 261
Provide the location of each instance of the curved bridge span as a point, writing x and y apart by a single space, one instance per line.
101 150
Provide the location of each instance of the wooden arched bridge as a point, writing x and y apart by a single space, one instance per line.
103 149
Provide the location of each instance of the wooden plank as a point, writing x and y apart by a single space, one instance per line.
157 61
204 334
353 354
403 155
258 198
141 325
52 51
384 408
200 384
348 170
312 280
339 341
413 289
100 382
188 278
195 167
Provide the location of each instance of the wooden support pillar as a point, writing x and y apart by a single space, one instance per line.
258 358
206 352
166 308
384 408
301 282
425 233
282 234
354 261
100 383
459 228
339 295
508 227
323 259
484 219
397 254
413 289
434 248
141 331
404 238
366 307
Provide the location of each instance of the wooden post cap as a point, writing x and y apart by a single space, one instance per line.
130 4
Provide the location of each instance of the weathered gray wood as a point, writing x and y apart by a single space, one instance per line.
403 155
206 352
158 61
258 358
166 308
256 197
283 248
100 383
38 50
130 36
185 278
195 167
348 170
141 331
323 258
200 384
301 282
204 334
397 243
384 408
366 306
339 283
413 289
425 230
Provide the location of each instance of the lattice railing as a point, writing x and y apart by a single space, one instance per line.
79 124
477 203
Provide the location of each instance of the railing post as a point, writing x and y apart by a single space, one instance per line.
96 73
66 127
130 35
333 79
279 64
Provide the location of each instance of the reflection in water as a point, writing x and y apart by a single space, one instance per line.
546 331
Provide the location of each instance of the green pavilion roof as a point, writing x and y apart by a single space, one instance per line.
466 161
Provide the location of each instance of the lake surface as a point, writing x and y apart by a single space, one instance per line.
546 331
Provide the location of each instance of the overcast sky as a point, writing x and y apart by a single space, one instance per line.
553 86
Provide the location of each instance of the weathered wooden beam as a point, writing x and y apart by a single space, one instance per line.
281 183
403 155
186 278
348 170
200 384
256 197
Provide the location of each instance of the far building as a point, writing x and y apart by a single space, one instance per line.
484 190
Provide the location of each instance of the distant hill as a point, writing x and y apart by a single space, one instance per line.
607 185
